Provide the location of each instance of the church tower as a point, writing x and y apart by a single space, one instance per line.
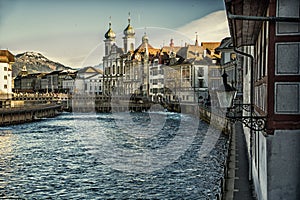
129 39
110 39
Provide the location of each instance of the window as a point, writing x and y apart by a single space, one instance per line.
200 83
200 72
5 68
5 77
5 86
288 8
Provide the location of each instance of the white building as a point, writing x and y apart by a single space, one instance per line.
6 61
156 81
88 81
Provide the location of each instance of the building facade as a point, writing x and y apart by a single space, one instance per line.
266 37
89 80
170 73
6 61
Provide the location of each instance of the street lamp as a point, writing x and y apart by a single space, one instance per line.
226 95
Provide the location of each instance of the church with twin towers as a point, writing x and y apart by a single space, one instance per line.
141 70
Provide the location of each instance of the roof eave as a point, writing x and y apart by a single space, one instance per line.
245 32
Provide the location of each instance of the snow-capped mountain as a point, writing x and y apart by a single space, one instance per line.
35 62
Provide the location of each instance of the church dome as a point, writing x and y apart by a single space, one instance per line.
110 33
129 31
145 38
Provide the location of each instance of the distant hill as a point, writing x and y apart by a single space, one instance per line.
35 62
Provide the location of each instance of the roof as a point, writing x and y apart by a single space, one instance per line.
245 32
210 45
6 56
168 49
91 70
191 51
54 72
226 45
142 48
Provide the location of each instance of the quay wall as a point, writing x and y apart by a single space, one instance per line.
20 115
210 115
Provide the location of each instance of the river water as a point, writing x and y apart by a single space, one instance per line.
156 155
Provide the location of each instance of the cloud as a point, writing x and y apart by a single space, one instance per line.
86 48
211 28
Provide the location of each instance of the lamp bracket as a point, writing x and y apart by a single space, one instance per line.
256 123
239 106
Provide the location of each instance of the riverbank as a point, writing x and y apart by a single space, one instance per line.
24 114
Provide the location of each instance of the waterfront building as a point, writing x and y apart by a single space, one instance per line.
156 81
112 62
137 68
68 81
200 79
27 83
88 81
6 61
52 81
141 70
178 78
57 81
266 35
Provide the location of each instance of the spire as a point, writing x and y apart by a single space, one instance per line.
146 55
171 43
109 21
196 42
110 34
128 17
145 38
129 31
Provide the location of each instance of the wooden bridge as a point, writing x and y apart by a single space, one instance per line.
24 114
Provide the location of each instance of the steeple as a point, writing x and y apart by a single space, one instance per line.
145 38
196 42
110 39
110 34
129 31
129 39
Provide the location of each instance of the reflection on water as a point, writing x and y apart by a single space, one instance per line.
6 156
74 156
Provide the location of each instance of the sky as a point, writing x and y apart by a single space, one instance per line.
72 31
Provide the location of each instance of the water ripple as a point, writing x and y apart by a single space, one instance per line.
61 158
